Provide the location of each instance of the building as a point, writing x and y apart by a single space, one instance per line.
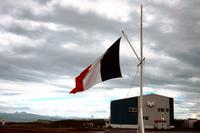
187 123
158 112
2 122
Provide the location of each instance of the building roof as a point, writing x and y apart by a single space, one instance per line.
143 96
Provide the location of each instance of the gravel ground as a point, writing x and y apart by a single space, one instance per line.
74 130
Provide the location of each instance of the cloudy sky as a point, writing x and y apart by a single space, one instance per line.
45 44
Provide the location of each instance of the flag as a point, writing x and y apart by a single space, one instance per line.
104 68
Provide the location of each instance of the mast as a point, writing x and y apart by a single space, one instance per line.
141 124
141 60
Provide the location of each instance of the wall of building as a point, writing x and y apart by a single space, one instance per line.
187 123
156 108
124 111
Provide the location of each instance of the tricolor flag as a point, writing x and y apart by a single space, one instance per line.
104 68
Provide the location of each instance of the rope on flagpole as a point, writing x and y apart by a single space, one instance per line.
132 82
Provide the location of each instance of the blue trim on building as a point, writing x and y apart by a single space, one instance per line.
120 113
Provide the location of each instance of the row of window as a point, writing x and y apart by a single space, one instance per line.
145 117
131 109
163 110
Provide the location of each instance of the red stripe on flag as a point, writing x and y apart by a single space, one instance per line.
79 81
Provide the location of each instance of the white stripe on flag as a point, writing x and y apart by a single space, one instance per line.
94 75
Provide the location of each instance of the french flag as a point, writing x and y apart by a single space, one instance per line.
104 68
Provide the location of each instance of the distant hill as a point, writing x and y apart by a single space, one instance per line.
26 117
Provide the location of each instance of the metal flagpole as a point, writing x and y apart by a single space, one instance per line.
141 75
141 59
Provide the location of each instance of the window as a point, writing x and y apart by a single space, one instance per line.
167 110
146 117
131 109
161 110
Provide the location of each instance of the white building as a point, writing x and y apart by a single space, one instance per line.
158 112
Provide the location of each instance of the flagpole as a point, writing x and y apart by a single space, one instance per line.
141 127
140 110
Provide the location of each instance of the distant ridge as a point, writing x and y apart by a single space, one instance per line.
26 117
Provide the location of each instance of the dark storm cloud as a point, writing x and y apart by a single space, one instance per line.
88 22
181 44
174 33
43 2
43 63
178 39
49 57
21 29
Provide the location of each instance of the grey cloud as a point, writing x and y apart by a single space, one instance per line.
189 102
9 94
51 54
11 109
49 60
198 115
43 2
21 29
181 44
88 22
